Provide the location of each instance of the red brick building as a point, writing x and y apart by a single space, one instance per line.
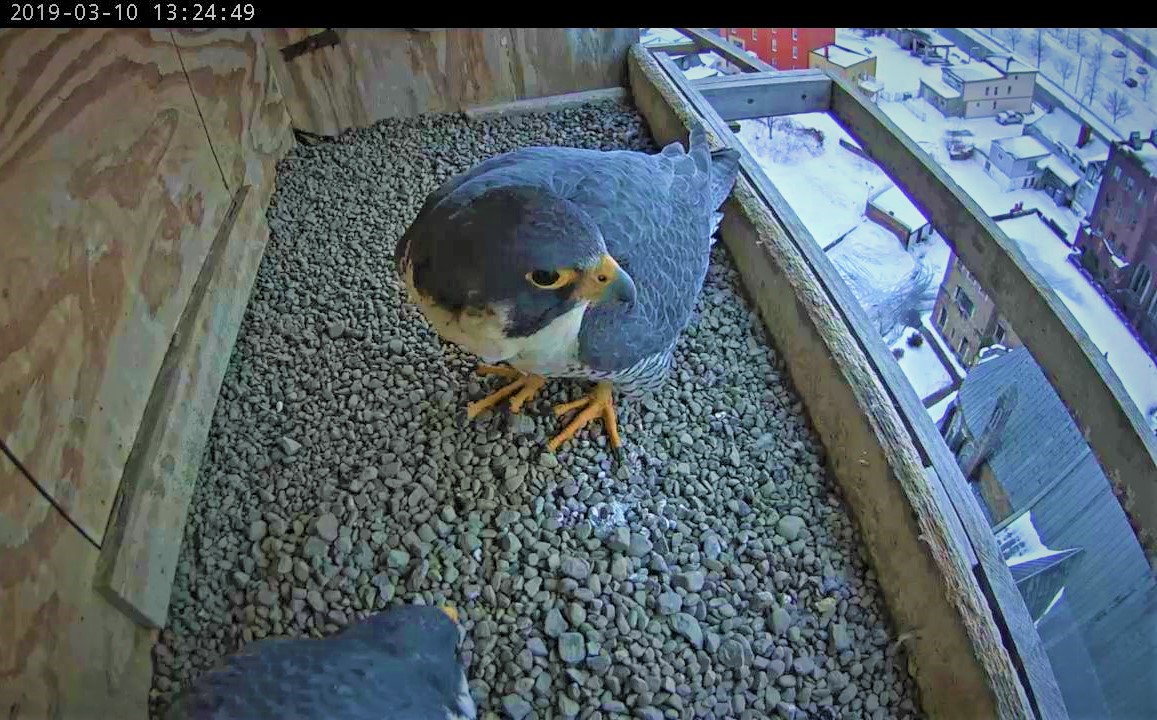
782 48
1118 243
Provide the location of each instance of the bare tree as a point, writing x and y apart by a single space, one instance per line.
1015 35
1059 33
1118 105
1096 57
1064 67
1078 39
1036 45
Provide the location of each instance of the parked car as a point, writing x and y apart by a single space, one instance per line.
1142 70
1131 82
1009 117
1118 53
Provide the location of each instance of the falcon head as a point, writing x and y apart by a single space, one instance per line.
520 252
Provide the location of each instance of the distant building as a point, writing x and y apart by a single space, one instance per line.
1118 244
1070 547
782 48
890 208
856 67
966 317
1014 163
981 88
1075 146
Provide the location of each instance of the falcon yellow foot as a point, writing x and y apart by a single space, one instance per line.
523 387
600 403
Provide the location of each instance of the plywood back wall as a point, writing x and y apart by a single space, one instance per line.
123 153
371 74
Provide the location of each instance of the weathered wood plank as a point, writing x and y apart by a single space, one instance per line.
549 103
962 668
109 198
708 40
1082 377
64 651
240 100
740 97
241 104
142 546
396 72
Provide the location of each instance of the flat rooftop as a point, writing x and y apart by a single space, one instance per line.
1022 146
840 56
975 72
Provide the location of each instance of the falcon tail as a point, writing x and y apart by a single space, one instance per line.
723 166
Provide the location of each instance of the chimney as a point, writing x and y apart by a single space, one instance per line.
1085 134
1153 137
1135 140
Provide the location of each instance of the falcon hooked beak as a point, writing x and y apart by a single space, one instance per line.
607 281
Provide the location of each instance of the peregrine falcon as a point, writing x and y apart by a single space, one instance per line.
401 663
565 262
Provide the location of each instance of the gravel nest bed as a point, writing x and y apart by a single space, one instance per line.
715 574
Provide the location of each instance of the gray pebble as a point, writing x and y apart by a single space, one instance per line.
571 647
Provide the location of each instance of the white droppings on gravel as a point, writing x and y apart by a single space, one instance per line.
340 403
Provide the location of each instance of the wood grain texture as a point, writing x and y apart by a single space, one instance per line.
958 660
139 557
65 653
240 100
397 72
241 105
109 198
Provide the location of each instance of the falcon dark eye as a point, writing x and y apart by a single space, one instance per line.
602 278
544 278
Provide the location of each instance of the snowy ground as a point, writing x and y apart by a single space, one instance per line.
1045 252
828 187
1059 53
921 365
895 287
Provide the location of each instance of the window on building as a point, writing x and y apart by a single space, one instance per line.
1009 90
942 316
993 104
774 45
963 347
795 33
964 303
999 334
1129 183
794 52
754 34
1116 172
1140 283
986 90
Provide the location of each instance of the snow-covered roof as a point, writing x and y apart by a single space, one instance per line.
1008 66
651 36
700 71
941 88
1022 147
894 202
1064 129
975 72
840 56
1058 167
1147 155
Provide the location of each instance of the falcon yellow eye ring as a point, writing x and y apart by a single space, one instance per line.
550 279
